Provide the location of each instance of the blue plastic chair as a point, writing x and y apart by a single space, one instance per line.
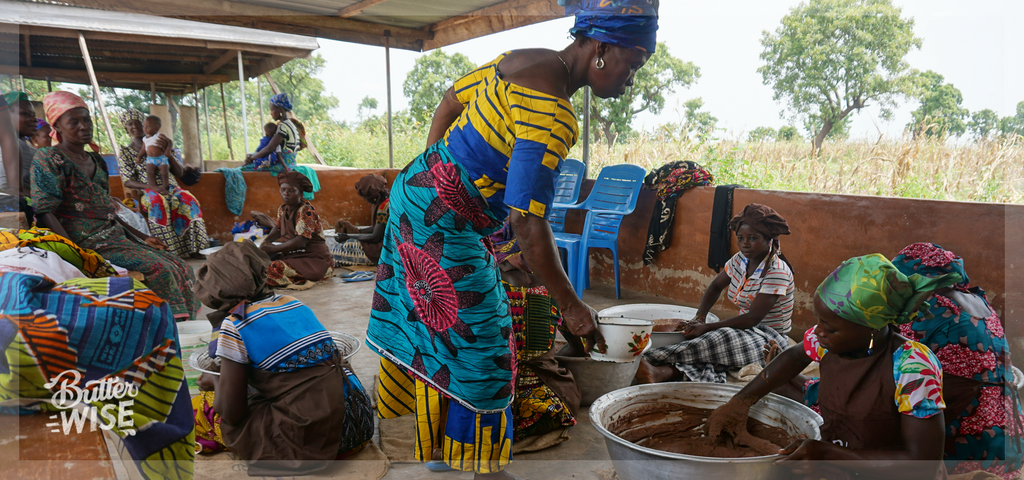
567 191
613 197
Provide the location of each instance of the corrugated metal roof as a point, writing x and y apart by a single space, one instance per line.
410 24
91 20
131 50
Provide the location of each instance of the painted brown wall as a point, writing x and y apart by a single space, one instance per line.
827 229
336 199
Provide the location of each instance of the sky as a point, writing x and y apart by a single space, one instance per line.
977 45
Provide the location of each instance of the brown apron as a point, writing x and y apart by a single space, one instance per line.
857 397
295 421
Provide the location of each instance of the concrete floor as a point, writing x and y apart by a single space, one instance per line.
345 307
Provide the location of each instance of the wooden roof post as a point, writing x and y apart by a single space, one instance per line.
152 92
227 130
387 74
96 92
259 98
199 135
241 89
586 130
206 120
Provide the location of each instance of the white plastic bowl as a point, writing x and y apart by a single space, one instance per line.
656 311
627 339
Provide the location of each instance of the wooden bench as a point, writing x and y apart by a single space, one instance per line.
30 450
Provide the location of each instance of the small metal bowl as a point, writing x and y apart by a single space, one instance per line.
347 344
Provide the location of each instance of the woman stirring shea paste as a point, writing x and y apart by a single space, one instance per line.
880 393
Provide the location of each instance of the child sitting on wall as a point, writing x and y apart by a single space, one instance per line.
264 162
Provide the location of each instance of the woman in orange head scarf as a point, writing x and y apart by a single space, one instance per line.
71 197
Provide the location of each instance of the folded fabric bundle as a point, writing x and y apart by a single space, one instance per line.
311 175
669 182
234 189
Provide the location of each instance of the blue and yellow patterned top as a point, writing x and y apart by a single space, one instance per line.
511 139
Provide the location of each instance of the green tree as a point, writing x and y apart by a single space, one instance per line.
832 57
788 133
298 78
430 78
940 112
983 122
662 74
701 124
366 107
1013 125
761 134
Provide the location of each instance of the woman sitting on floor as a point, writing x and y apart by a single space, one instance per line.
760 282
71 197
983 418
362 245
880 394
309 407
302 255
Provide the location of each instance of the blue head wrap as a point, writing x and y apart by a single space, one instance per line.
624 23
281 100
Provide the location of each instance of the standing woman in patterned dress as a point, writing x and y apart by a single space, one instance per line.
440 318
176 218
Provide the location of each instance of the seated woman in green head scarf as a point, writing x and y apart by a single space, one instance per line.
880 394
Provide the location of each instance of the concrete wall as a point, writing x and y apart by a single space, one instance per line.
827 229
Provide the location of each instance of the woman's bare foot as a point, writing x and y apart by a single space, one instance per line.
648 373
771 350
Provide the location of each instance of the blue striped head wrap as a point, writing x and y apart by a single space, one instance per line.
624 23
281 100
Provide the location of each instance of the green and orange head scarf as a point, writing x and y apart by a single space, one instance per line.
58 103
870 291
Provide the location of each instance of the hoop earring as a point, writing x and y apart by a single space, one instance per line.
871 344
599 63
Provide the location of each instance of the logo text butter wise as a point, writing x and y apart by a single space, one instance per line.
70 396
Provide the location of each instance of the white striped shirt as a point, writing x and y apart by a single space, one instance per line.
778 280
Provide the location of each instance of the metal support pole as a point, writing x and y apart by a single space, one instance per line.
49 86
387 67
224 112
259 98
206 120
96 92
241 88
199 135
586 130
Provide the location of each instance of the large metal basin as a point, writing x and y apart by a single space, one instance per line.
633 462
656 311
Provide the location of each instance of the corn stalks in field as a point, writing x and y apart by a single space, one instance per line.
923 167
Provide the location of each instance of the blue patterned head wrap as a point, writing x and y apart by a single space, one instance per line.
624 23
281 100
